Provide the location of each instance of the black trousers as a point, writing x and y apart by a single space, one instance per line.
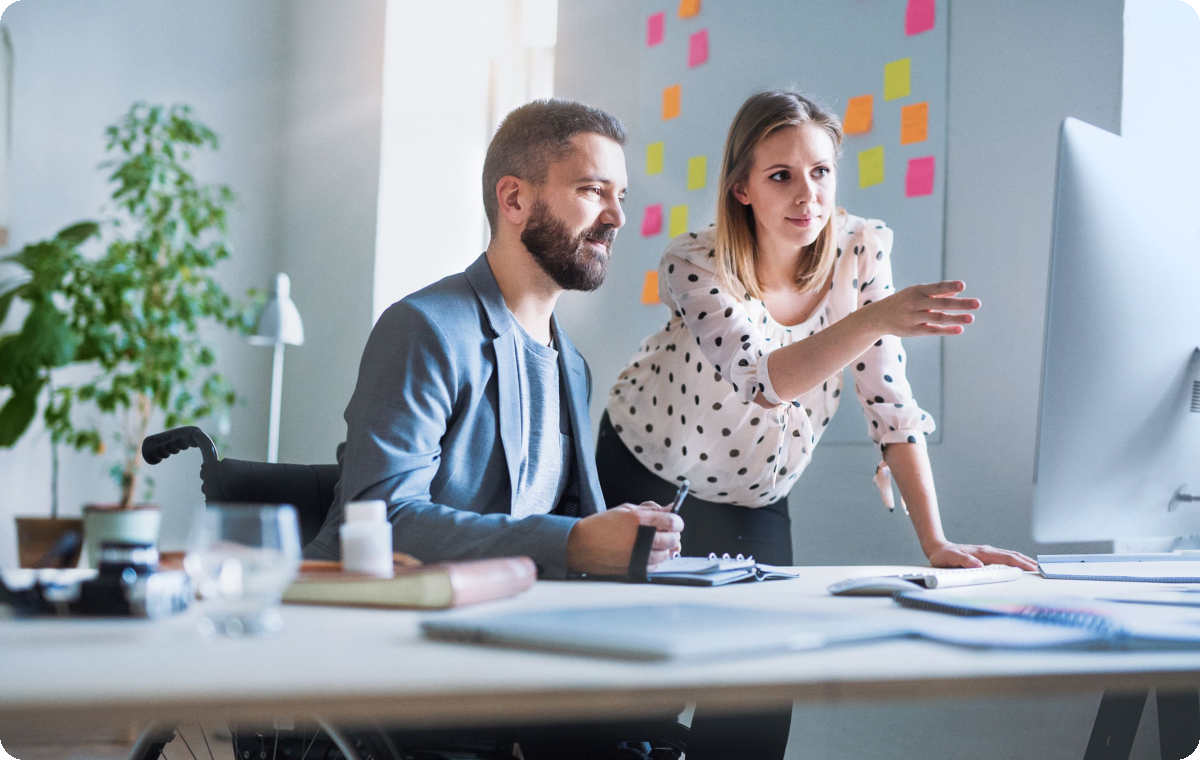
709 526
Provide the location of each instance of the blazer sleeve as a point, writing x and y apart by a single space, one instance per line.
403 401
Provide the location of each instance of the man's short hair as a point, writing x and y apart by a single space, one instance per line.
536 135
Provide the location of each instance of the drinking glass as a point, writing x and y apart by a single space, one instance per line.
242 557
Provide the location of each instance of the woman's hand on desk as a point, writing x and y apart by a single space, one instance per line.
975 555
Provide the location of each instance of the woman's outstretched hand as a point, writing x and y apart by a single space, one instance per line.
977 555
929 309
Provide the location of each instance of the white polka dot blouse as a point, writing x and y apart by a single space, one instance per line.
684 403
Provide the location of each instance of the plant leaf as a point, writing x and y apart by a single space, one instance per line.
18 411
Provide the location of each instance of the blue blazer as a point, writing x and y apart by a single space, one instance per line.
434 429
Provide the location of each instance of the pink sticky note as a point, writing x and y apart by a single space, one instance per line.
654 29
919 16
698 48
652 220
919 178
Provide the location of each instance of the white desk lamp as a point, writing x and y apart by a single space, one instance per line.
278 324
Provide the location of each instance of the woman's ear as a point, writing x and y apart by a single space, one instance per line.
739 192
512 199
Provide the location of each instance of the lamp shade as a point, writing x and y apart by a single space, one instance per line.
279 321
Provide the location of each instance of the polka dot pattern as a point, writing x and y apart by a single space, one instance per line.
734 450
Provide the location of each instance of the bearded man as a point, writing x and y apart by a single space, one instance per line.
470 414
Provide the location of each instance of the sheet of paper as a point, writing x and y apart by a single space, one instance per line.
654 157
870 166
914 123
654 29
697 172
671 101
859 111
918 180
689 8
698 48
919 16
652 220
897 79
650 288
678 223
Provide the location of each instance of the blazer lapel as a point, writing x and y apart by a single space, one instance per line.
508 387
574 369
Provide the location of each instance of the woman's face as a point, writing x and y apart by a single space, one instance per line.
791 187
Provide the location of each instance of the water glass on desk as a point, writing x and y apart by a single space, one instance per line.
241 558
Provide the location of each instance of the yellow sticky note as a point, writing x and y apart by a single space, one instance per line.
914 123
650 288
670 101
697 172
678 223
859 111
870 167
689 8
654 158
897 79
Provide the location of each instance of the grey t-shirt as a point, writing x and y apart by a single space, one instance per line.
545 444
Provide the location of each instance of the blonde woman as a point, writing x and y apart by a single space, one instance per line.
767 308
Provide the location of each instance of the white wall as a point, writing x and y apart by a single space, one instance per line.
78 66
326 226
293 89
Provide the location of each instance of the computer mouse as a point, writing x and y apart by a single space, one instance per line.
872 585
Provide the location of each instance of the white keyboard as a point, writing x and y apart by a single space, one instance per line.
947 577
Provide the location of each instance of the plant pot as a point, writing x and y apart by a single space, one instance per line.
38 535
107 522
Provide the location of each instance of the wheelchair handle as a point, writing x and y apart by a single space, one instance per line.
159 446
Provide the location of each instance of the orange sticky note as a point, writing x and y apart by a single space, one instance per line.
670 101
858 115
914 123
650 288
689 8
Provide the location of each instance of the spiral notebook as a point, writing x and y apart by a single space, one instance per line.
1101 624
716 571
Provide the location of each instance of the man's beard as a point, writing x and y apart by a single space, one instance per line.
570 261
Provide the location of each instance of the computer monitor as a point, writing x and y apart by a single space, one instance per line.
1117 434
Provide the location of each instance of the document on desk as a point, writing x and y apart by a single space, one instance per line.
1147 568
1096 623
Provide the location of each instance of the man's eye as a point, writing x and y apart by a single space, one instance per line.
780 176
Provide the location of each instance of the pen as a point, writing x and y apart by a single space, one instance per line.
680 495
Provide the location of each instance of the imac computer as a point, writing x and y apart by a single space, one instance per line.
1118 449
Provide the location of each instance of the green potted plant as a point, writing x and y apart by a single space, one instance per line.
131 314
28 357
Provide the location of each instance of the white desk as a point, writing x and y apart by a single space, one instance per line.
351 664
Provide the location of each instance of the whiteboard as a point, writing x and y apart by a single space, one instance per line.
625 56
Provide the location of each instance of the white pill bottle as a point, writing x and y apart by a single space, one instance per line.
366 537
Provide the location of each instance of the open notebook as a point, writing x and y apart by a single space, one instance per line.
716 571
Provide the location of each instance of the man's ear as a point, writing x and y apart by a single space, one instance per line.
514 199
739 192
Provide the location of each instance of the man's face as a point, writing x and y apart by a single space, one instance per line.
577 212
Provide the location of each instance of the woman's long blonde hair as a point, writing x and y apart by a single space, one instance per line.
759 117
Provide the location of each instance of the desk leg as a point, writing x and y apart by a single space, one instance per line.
1178 723
1116 725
